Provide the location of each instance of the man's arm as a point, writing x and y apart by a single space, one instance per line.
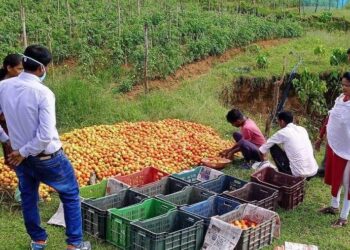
45 130
277 138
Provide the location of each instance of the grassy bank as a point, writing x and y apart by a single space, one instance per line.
83 101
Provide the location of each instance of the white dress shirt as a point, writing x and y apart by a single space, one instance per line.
298 147
338 128
3 135
29 108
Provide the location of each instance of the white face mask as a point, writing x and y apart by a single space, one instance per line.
42 65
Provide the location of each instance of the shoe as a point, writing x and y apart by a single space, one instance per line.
246 165
340 223
38 245
329 210
83 246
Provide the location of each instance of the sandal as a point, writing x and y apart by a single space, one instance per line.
329 210
340 223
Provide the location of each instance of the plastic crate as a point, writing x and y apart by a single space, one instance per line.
104 188
222 184
253 238
291 188
166 185
198 175
94 212
141 178
215 205
176 230
188 196
118 222
256 194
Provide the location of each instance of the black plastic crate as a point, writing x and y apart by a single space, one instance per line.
291 188
94 212
256 194
176 230
188 196
165 186
223 183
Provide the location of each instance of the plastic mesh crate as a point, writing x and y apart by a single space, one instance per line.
198 175
174 230
222 184
94 212
291 188
166 185
256 194
188 196
118 222
143 177
253 238
105 187
215 205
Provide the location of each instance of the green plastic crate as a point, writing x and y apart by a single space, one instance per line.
176 230
94 191
118 223
102 189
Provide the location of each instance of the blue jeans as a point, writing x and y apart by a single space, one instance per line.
57 173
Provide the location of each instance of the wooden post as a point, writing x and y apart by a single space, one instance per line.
69 19
119 20
146 59
23 21
138 7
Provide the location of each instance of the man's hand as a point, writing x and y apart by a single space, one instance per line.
15 158
225 153
318 143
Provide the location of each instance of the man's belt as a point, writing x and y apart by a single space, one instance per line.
42 156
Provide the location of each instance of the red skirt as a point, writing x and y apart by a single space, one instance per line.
335 166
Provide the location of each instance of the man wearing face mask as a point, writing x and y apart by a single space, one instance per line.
29 108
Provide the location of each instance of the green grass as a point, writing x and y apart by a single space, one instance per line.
83 101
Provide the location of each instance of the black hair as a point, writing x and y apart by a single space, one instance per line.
11 60
38 53
346 75
348 51
234 115
285 116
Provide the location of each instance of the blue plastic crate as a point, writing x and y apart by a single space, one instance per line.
222 184
215 205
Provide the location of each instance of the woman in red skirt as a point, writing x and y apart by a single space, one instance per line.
338 154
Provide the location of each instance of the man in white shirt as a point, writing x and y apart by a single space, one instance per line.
29 109
297 158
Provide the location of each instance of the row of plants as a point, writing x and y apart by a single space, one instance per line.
111 33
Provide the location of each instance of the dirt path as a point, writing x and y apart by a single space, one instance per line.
196 69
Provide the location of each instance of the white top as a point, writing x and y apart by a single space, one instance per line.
3 135
338 128
298 147
29 108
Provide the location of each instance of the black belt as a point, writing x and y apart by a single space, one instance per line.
43 156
